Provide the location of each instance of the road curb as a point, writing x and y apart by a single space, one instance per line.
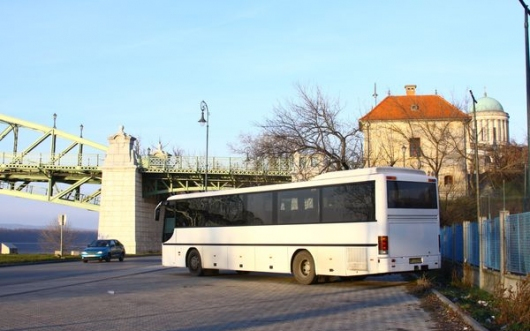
468 319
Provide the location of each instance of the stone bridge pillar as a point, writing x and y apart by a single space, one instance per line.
124 214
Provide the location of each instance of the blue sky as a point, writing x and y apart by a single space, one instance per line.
148 64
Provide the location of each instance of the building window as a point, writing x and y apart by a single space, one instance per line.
448 180
414 147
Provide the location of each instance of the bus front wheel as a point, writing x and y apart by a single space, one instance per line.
304 268
195 263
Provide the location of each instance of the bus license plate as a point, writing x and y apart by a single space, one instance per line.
415 260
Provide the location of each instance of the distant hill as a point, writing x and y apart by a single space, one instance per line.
13 226
27 240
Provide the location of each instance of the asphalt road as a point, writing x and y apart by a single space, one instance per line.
139 294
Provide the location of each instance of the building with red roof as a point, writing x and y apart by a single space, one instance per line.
420 131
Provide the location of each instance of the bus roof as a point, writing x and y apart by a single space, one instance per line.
369 171
330 176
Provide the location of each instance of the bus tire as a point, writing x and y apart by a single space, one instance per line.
195 263
304 268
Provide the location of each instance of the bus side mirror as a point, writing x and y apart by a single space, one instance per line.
157 210
160 210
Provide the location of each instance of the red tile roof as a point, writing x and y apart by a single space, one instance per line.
414 107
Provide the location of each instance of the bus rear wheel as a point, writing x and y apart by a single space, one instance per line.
304 268
195 263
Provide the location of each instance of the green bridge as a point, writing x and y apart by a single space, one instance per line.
67 175
47 164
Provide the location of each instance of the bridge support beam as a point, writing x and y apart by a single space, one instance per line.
124 214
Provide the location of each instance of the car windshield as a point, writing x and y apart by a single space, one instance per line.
99 243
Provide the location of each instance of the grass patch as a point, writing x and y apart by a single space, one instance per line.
13 259
9 259
478 304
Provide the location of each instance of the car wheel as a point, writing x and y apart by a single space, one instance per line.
85 260
122 256
108 258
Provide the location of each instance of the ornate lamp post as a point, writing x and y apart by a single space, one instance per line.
80 153
202 121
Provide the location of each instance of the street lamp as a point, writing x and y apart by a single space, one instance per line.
527 66
477 193
202 121
403 150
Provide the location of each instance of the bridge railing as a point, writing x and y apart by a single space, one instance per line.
152 163
49 160
215 164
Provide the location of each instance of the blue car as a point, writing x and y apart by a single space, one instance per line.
103 249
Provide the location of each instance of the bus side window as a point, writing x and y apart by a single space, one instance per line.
259 208
310 212
285 214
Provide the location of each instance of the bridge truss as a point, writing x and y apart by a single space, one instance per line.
48 164
164 176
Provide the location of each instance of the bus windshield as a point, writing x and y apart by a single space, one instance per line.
411 195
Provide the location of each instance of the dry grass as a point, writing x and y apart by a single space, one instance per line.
424 283
514 305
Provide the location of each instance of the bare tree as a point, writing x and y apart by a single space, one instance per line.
309 127
50 237
505 171
387 154
442 142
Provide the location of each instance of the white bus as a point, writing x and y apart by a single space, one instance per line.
350 223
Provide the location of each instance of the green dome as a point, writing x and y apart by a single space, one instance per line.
487 104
